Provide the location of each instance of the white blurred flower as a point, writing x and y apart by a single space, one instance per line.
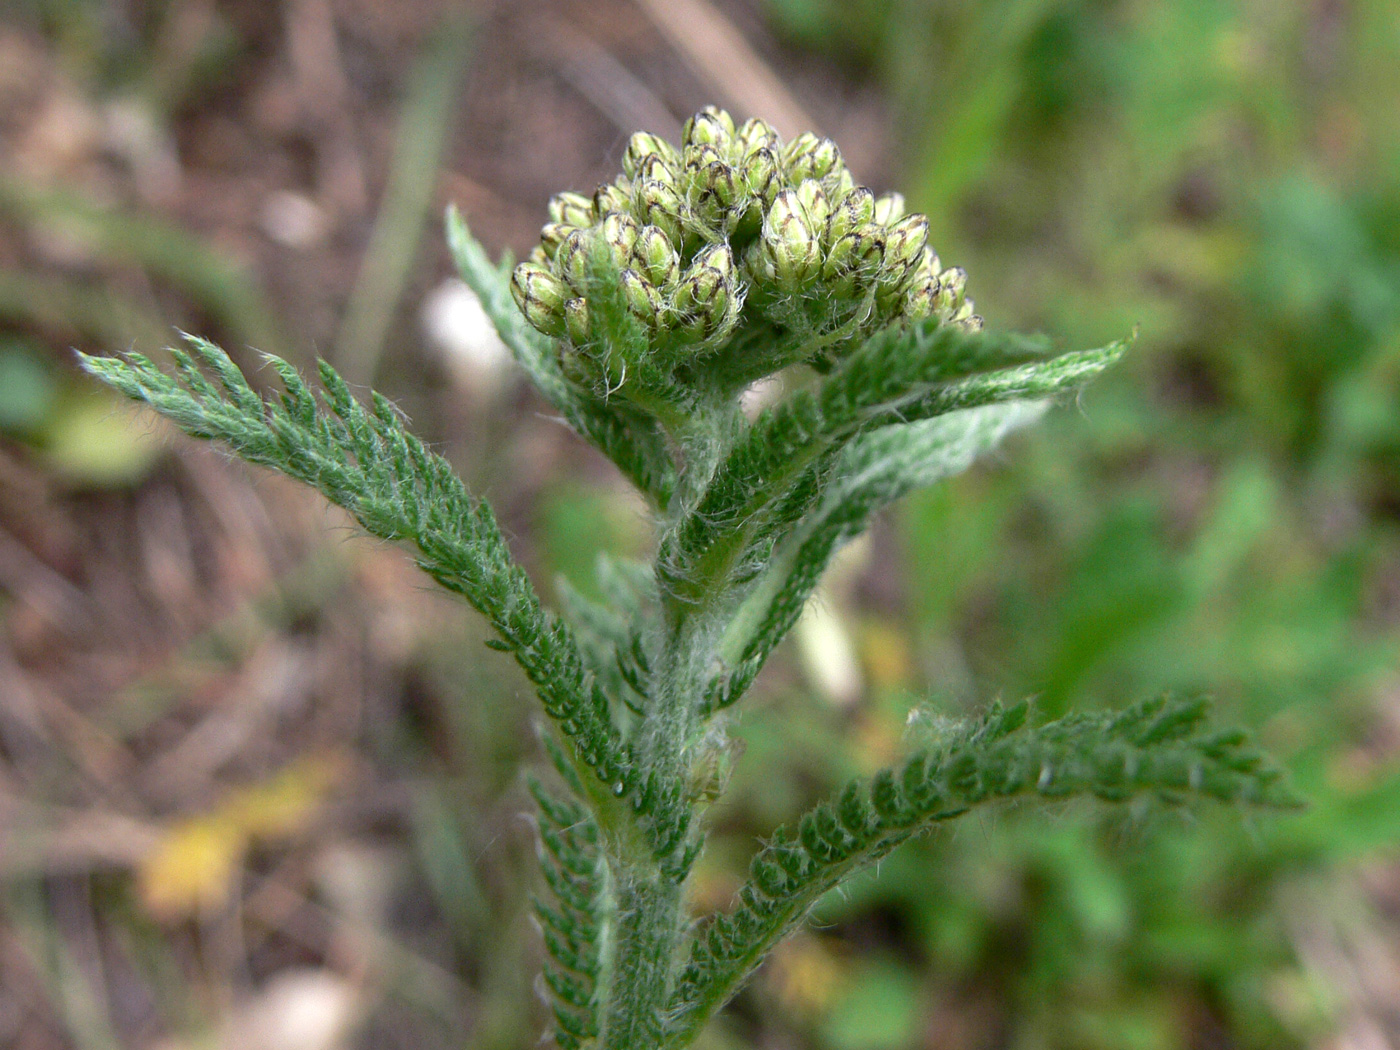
458 329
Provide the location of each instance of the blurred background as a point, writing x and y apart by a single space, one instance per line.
259 786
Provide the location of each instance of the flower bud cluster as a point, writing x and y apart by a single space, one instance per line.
737 231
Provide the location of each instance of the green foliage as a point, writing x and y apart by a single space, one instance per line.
1222 518
901 388
365 462
1155 747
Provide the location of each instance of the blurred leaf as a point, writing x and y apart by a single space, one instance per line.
27 387
877 1010
89 438
408 199
195 866
188 263
193 869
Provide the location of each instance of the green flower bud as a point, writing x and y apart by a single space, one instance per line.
711 126
572 209
922 299
755 134
642 298
696 159
576 322
814 200
715 323
856 208
553 234
655 169
642 147
953 283
660 205
571 260
727 184
838 182
904 245
719 190
612 196
791 248
707 299
620 232
945 296
889 208
758 264
810 157
708 281
656 257
538 254
763 175
540 296
858 249
962 314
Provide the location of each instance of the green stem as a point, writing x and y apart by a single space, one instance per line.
650 925
651 921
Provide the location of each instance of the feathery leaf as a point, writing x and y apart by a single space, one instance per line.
1160 747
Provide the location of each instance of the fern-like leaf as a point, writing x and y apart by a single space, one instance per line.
873 472
1160 747
575 922
367 463
777 472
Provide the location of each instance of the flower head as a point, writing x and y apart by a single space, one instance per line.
732 250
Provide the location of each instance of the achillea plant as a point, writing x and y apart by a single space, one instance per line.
645 312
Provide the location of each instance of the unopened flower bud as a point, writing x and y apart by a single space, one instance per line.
576 322
641 296
858 249
572 209
698 157
790 245
552 236
706 298
540 296
571 260
538 254
810 157
612 196
655 169
656 257
856 208
659 204
922 299
905 243
726 183
953 283
889 208
720 188
710 276
755 134
620 232
763 175
838 182
944 296
711 126
814 201
642 147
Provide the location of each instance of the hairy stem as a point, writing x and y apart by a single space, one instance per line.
650 925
